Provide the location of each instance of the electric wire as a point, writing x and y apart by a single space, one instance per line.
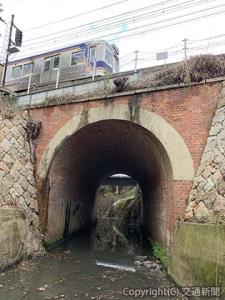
123 35
115 23
75 16
163 27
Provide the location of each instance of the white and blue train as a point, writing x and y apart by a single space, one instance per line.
64 64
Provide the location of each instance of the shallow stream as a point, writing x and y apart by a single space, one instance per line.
104 262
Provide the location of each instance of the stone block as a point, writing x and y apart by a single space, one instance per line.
191 206
200 196
201 185
2 153
22 130
8 200
31 180
216 176
209 185
15 175
6 145
219 204
207 172
15 132
34 205
14 142
188 215
22 203
209 198
14 194
216 129
8 123
219 116
24 183
3 167
17 166
8 160
32 190
8 181
221 187
13 152
2 136
201 211
18 189
192 195
221 102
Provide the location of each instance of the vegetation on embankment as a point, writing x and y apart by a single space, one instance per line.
128 207
196 69
8 107
160 254
123 204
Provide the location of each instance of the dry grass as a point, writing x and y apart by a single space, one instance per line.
8 108
58 100
195 69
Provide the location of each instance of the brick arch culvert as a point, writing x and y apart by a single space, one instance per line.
105 147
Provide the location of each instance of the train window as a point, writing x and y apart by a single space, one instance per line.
28 68
55 63
108 57
47 65
92 54
16 71
77 58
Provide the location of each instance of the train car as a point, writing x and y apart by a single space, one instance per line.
62 65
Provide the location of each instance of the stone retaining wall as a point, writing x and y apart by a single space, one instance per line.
17 183
207 198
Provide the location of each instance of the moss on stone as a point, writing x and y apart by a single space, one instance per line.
197 257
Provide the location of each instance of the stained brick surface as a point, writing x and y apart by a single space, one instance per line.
189 110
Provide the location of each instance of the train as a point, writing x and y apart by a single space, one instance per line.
85 60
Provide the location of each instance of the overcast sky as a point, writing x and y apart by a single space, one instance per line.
30 14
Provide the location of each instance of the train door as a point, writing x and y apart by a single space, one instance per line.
50 69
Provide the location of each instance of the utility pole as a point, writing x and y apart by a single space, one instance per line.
185 48
136 60
7 54
13 43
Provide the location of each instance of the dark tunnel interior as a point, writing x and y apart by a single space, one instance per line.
92 154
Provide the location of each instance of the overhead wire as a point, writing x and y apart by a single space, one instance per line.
123 35
99 21
131 29
191 50
111 25
78 15
169 25
75 16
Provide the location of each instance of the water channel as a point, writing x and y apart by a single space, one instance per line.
98 263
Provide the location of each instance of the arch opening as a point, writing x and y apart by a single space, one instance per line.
119 211
92 154
119 198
